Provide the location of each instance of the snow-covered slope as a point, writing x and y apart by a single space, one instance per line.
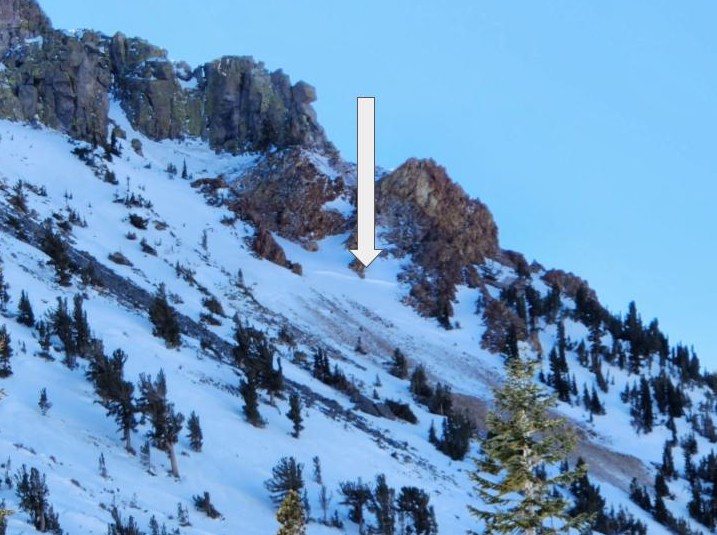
328 306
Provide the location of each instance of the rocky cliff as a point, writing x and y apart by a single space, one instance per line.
64 80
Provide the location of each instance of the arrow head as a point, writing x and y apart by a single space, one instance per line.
366 256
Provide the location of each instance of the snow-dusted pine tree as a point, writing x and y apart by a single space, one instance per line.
522 439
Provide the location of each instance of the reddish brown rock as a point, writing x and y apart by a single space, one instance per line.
266 247
422 212
287 193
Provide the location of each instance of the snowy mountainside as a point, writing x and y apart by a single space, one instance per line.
328 306
215 192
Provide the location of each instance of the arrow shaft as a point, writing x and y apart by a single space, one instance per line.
366 162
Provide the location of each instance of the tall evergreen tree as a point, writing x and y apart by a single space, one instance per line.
291 515
641 410
80 327
123 408
25 315
5 353
116 393
523 437
558 377
166 423
294 414
164 318
195 432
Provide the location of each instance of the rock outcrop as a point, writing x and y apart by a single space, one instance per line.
429 216
287 192
267 247
423 213
59 79
63 80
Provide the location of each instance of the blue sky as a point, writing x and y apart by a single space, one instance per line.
589 128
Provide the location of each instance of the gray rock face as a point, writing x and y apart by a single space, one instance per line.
63 80
20 20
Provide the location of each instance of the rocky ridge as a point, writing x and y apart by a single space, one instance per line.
64 80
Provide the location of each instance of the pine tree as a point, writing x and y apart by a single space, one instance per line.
80 327
588 500
195 432
456 436
415 513
164 319
399 365
558 375
25 315
103 466
116 394
441 401
4 287
318 478
5 353
118 527
32 491
356 496
166 424
419 384
183 516
61 323
382 506
123 408
286 476
56 248
641 410
325 502
145 456
247 389
44 404
291 515
294 414
668 464
522 437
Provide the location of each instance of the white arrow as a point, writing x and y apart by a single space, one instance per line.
366 200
